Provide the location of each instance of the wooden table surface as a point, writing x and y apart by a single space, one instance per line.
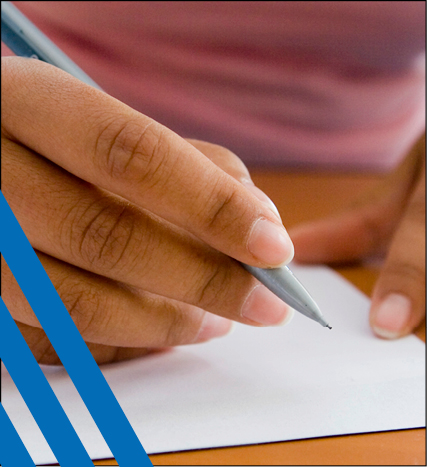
299 197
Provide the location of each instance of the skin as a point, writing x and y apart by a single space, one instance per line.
391 219
139 229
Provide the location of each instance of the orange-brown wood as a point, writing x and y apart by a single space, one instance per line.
300 197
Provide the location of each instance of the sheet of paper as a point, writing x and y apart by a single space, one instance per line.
256 385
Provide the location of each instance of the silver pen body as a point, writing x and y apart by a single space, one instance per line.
283 283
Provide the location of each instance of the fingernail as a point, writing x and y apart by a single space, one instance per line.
270 243
213 326
263 307
392 316
263 197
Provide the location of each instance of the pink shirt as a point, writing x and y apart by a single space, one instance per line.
337 84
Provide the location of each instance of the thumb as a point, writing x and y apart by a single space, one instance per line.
398 301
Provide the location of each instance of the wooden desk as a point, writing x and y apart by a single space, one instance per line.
300 197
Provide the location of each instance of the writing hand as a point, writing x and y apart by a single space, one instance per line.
135 226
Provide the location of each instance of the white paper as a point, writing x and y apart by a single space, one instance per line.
256 385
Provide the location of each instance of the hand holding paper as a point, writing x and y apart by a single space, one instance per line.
392 219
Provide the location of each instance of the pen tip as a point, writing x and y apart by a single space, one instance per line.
328 326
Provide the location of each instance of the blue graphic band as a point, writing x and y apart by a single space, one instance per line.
13 451
68 343
38 395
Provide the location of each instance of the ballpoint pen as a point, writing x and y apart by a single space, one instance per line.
26 40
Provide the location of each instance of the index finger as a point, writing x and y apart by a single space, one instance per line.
103 141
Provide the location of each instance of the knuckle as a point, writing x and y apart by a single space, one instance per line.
156 171
218 217
86 307
116 146
213 288
176 330
183 324
129 150
105 236
39 344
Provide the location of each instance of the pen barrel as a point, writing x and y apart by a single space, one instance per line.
283 283
25 40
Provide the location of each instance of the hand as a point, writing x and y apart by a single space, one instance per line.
393 218
135 226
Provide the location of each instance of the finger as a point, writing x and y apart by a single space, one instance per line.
365 227
44 352
108 144
101 233
224 159
234 166
106 313
398 302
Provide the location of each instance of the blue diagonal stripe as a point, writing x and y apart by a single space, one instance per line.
12 450
68 343
38 395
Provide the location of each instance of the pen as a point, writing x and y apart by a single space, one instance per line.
26 40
